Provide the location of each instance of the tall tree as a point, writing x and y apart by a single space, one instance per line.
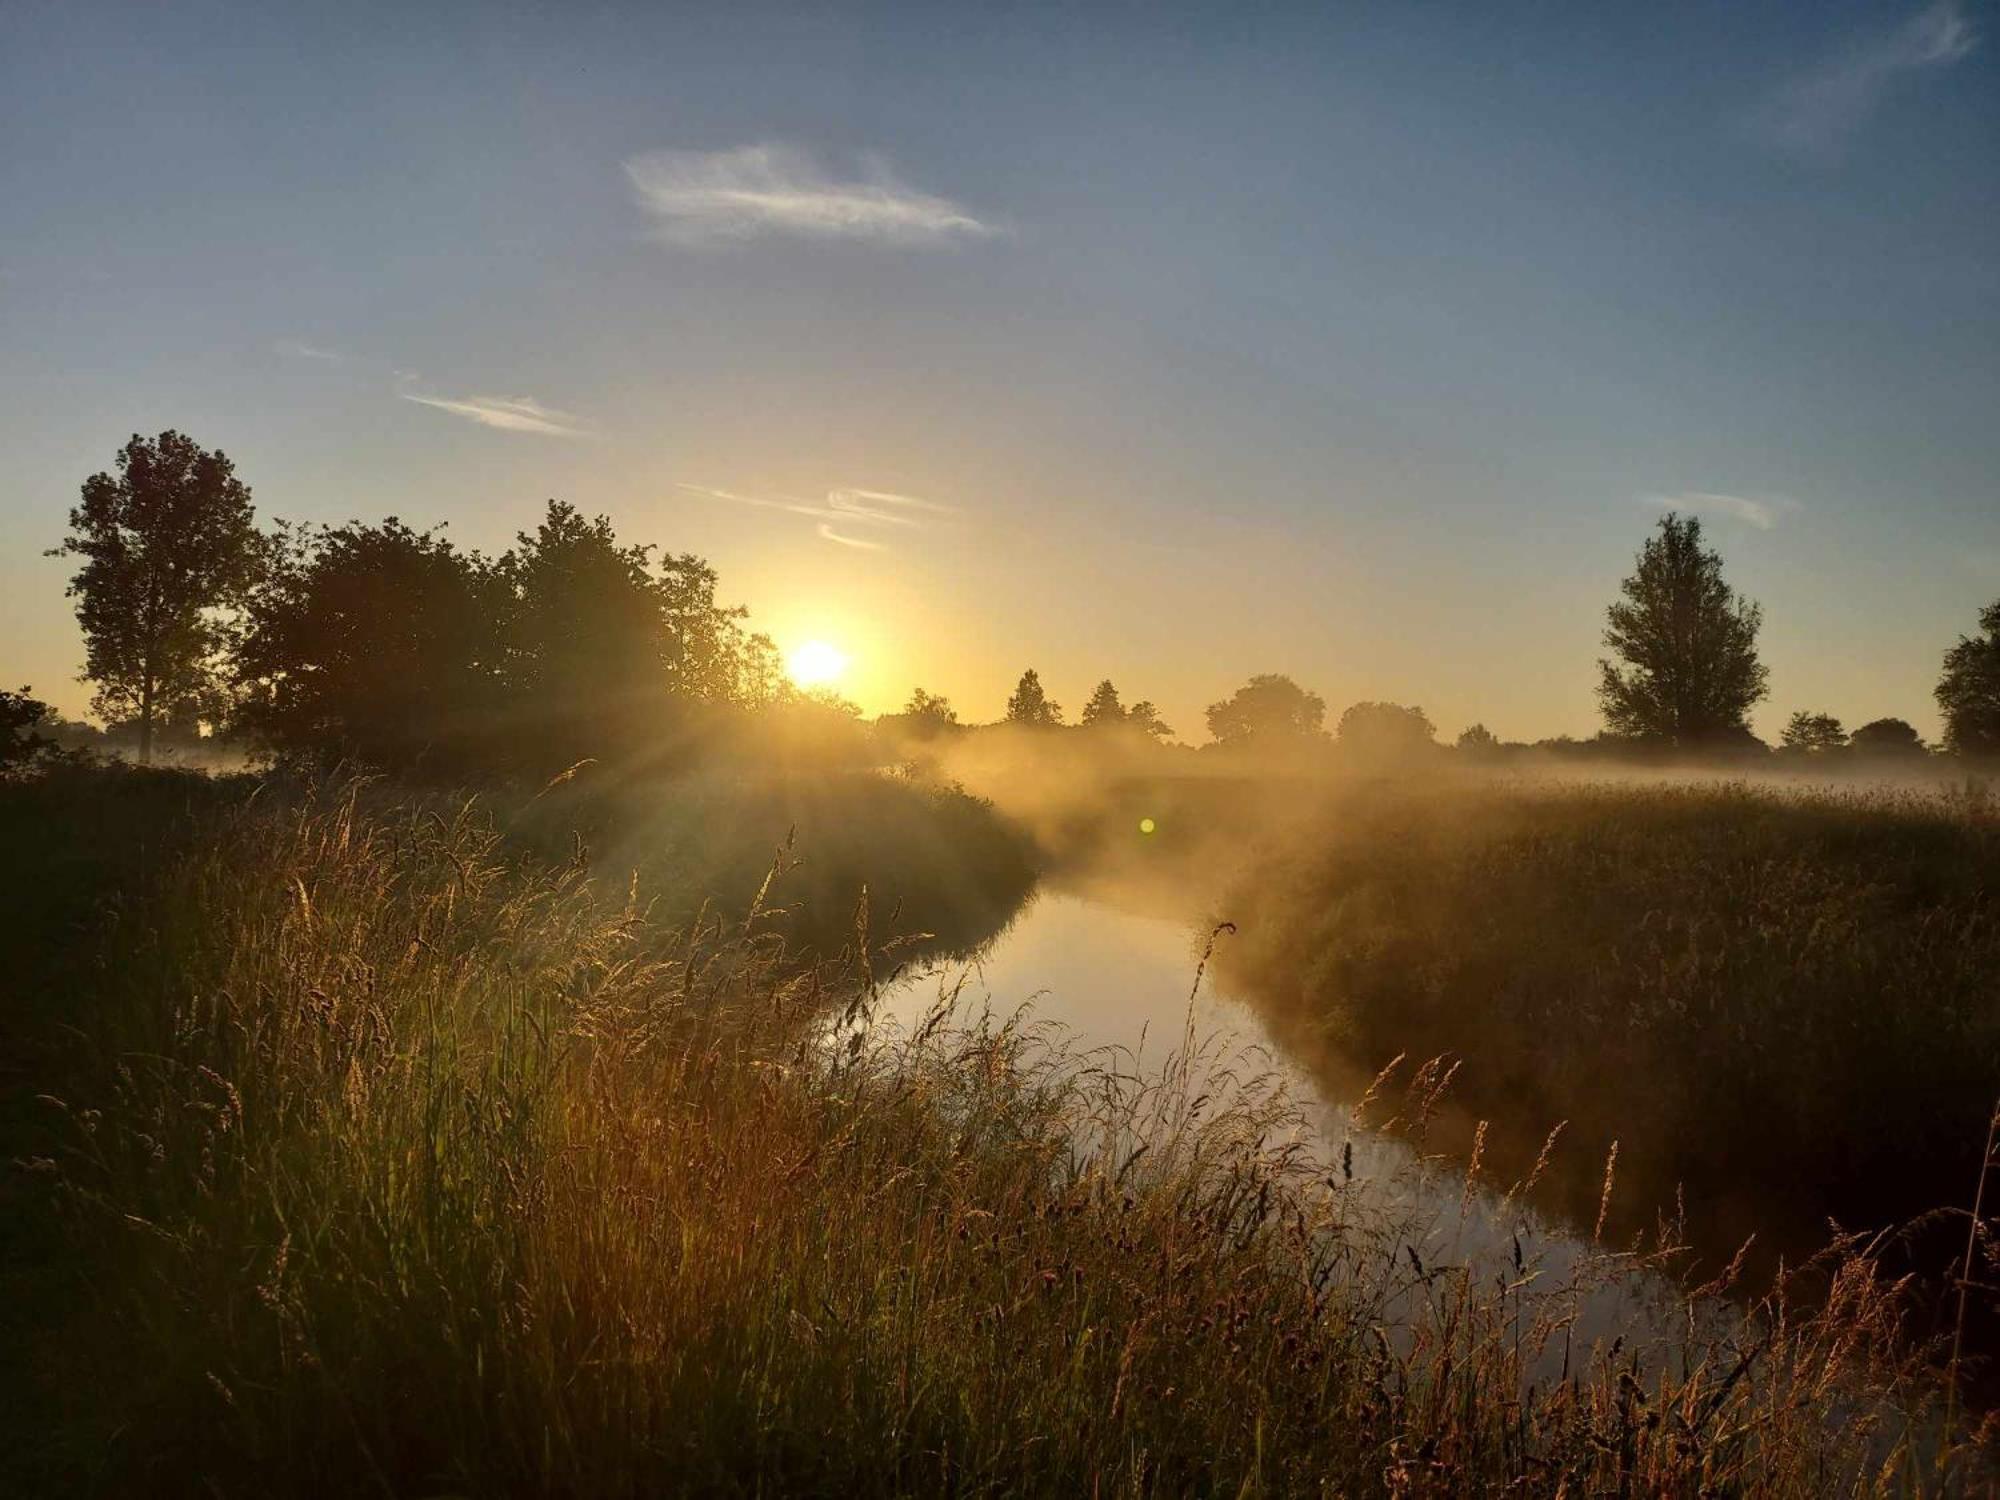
1269 709
1030 705
1811 733
169 545
1969 691
1104 710
1145 718
1688 643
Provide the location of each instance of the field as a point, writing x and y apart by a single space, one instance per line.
1782 1003
365 1146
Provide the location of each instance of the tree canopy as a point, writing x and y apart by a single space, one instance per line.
380 644
169 547
1145 718
1030 705
1887 737
1477 740
389 645
1968 694
1104 709
1269 709
1689 646
1384 731
1813 734
22 718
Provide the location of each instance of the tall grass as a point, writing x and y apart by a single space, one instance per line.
1790 1003
387 1159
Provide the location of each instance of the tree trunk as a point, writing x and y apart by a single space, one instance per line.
146 721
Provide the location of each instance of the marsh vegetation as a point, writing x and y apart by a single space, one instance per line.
361 1150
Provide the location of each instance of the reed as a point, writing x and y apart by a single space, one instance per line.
384 1157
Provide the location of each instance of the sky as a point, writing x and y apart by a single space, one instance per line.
1164 343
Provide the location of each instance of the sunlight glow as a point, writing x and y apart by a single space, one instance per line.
816 664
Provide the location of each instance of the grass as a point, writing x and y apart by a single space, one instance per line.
940 867
1792 994
374 1155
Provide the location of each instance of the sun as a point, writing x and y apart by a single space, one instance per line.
816 664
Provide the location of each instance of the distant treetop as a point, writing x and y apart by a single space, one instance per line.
1030 705
1268 709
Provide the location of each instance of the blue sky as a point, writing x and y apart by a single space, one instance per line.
1168 343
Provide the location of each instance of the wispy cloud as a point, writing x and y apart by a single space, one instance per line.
300 349
1821 107
508 413
844 512
1763 512
726 197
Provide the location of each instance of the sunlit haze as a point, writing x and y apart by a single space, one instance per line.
816 664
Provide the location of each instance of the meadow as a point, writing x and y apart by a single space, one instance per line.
1781 1001
364 1147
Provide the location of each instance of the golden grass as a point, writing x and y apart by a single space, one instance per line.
392 1162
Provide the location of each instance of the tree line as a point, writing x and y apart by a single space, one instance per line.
390 646
1682 677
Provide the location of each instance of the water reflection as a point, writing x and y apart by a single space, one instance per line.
1119 986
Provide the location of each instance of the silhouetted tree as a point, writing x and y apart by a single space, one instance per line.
929 712
377 643
168 546
1104 709
1030 705
1810 733
1969 691
22 720
588 651
607 648
1269 709
1478 742
1887 737
1690 645
1145 718
1385 731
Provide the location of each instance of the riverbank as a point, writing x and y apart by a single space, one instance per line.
1786 1003
380 1158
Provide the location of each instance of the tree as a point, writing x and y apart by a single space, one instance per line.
1385 731
22 717
381 644
1969 691
1268 709
169 546
1478 742
1813 734
1104 710
1030 705
930 712
1145 718
1887 737
605 644
1689 645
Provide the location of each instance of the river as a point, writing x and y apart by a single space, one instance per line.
1119 984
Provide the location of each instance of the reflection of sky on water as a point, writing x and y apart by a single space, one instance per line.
1113 979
